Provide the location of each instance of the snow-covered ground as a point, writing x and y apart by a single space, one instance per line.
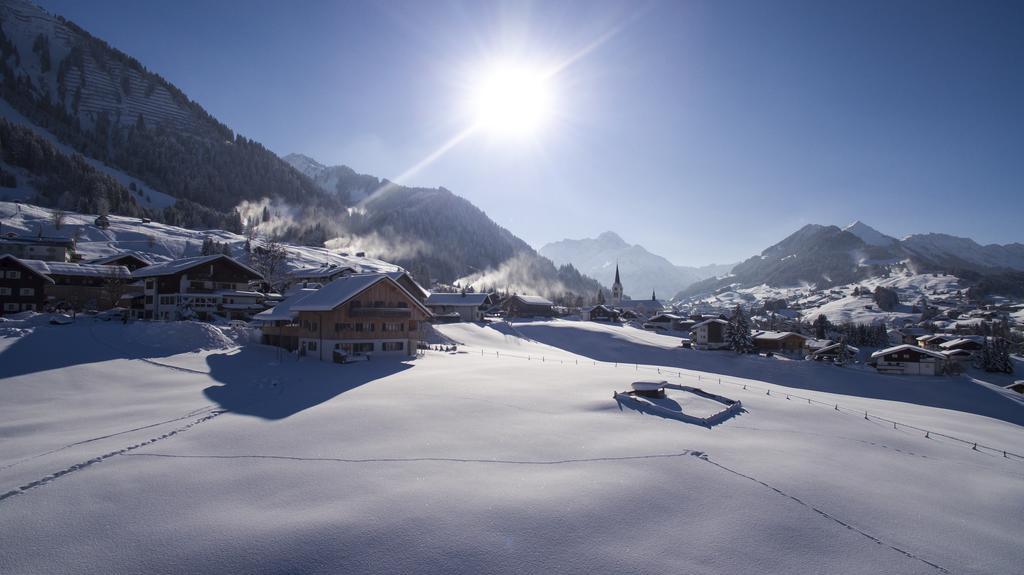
126 452
839 304
160 242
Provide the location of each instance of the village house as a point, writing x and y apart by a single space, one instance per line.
460 306
358 314
785 342
599 312
195 287
527 306
933 341
83 286
906 359
709 334
40 248
22 288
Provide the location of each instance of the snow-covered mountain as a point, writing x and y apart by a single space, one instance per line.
642 272
828 256
439 235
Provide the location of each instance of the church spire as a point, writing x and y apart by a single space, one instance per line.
617 287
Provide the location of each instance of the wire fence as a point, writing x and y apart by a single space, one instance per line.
720 380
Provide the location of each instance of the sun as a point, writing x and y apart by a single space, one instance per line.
511 99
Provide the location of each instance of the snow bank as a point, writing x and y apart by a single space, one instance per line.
174 337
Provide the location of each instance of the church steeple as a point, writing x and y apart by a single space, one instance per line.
617 287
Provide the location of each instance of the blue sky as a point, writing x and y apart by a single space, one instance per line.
704 131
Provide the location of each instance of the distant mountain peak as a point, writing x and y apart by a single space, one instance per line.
612 238
869 235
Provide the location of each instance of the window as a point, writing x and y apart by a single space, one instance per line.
359 327
149 300
393 345
402 304
362 347
392 327
355 304
28 306
27 291
10 307
340 327
311 346
150 284
13 274
5 291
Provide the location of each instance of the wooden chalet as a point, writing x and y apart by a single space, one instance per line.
83 286
22 288
906 359
359 314
38 248
831 352
600 312
780 342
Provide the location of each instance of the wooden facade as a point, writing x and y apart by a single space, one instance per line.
381 319
21 287
791 343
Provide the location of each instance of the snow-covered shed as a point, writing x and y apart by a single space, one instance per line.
528 306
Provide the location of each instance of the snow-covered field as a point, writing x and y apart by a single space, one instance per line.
125 452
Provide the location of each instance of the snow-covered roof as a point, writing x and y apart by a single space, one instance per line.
776 335
707 321
345 288
183 264
80 270
457 299
668 316
907 347
283 311
961 340
532 299
399 274
238 293
952 352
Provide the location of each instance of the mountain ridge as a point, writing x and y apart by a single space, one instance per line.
642 272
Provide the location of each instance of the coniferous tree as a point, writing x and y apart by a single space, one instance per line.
737 332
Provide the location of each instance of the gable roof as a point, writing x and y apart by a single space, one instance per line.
455 299
345 288
402 274
907 347
183 264
27 265
669 316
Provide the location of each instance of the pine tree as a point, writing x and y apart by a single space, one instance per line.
738 332
843 353
820 326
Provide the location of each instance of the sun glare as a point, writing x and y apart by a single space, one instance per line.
511 100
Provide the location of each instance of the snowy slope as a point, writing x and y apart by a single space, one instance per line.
247 460
160 241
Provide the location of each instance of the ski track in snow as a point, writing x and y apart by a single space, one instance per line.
825 514
99 459
192 413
